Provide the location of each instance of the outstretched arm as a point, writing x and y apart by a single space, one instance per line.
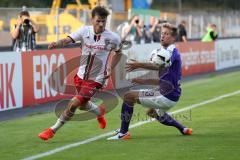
146 81
144 65
60 43
115 59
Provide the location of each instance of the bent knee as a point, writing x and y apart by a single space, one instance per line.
130 97
152 113
76 103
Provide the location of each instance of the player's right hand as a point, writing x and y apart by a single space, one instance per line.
52 45
138 81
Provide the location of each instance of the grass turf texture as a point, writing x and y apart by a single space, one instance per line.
216 130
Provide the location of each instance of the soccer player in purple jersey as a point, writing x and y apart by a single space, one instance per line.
160 100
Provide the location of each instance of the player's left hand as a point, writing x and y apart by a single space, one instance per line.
19 22
131 66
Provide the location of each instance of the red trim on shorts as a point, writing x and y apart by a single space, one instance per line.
85 88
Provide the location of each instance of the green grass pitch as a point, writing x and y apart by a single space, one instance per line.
216 130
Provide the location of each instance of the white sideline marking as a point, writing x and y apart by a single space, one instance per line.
132 126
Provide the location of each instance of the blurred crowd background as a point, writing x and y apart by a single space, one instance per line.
135 20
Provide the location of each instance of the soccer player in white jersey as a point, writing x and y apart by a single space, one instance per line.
161 99
97 44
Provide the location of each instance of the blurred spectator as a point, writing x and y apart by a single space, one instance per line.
182 33
155 29
147 35
23 33
121 28
143 30
211 34
137 28
133 31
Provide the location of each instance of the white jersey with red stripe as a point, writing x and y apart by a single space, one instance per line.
96 50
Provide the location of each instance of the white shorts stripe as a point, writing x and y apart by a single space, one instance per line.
153 99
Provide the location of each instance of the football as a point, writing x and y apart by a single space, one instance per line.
161 56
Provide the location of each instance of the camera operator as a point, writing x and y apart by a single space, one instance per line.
138 33
24 33
134 30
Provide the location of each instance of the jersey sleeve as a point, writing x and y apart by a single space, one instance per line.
174 52
117 43
77 35
174 57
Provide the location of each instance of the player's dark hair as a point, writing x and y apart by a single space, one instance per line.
24 13
100 11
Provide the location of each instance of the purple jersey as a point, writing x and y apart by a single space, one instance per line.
170 79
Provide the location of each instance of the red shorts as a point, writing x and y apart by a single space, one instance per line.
85 88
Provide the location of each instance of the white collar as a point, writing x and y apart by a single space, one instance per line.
171 47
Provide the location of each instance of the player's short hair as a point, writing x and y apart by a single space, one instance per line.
213 25
183 22
172 28
100 11
24 13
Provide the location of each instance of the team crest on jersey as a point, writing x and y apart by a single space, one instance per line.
110 45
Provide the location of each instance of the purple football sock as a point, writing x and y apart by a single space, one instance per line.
169 121
126 115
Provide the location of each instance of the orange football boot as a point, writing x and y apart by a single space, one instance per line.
187 131
101 119
46 134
